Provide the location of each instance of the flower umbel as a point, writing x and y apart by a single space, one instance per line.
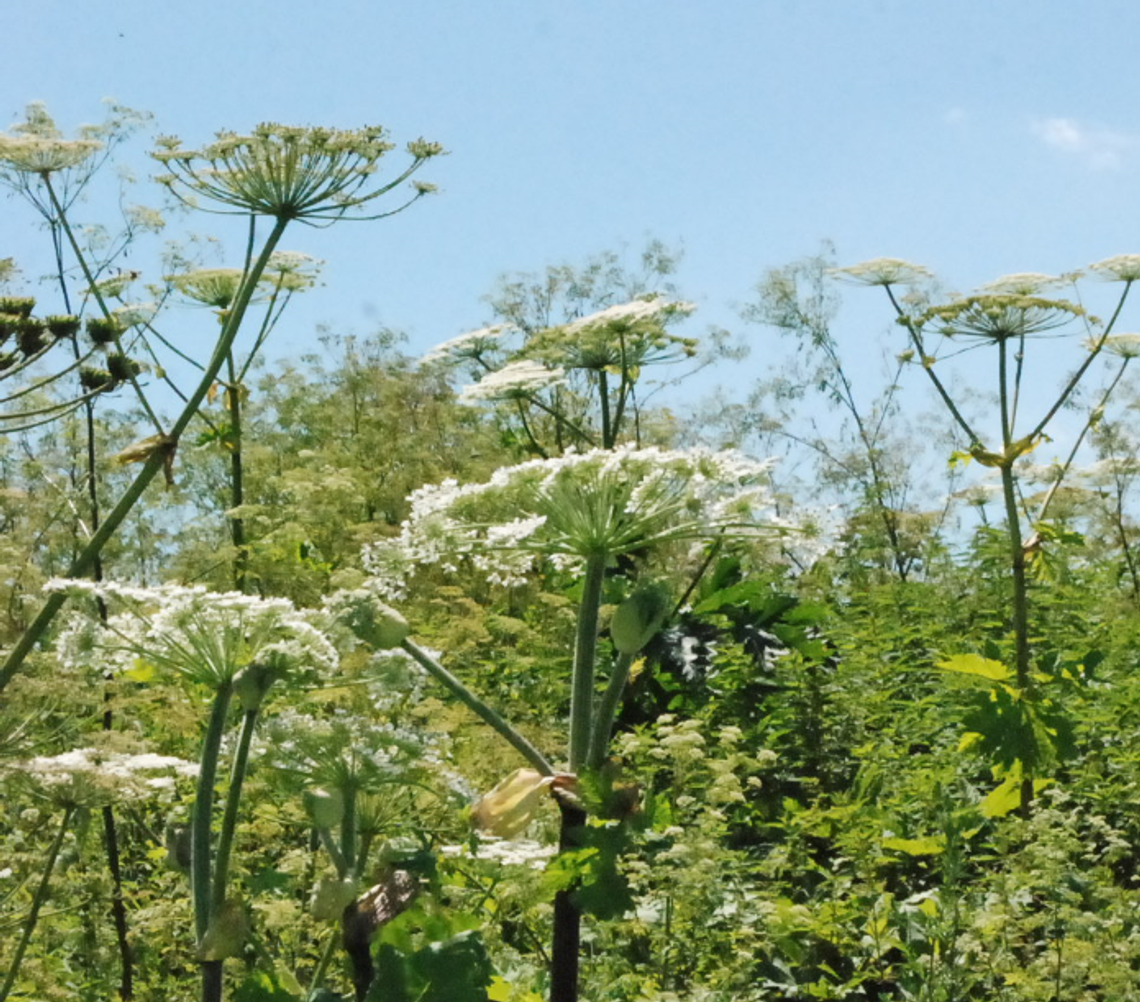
289 172
998 316
204 636
517 380
1121 268
215 287
883 271
578 505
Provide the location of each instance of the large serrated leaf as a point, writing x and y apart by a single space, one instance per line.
975 664
932 845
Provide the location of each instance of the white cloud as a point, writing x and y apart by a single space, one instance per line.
1098 147
956 117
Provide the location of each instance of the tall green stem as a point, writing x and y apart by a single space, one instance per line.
1017 561
585 650
230 814
237 479
200 868
37 903
348 830
607 711
61 215
158 459
482 710
110 828
604 398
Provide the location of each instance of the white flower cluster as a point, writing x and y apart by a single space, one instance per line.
293 271
205 636
340 747
506 852
574 505
516 380
88 777
1125 345
1121 268
627 313
883 271
1022 283
44 154
135 314
467 346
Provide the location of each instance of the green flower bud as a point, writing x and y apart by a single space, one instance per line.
375 623
226 933
252 683
331 897
639 617
63 325
325 808
177 840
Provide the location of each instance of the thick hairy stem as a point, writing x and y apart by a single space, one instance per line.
230 814
159 458
1020 611
348 831
604 399
585 649
481 709
607 711
200 869
118 906
567 932
1017 563
237 480
37 903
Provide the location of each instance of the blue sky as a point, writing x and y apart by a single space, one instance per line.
977 138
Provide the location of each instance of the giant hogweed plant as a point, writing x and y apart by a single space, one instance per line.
1016 721
280 174
590 515
233 649
571 385
286 274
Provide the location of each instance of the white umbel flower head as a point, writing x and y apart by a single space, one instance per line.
204 636
1023 283
627 313
883 271
217 287
87 777
1121 268
515 381
578 505
289 172
472 345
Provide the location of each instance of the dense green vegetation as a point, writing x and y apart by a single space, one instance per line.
497 674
